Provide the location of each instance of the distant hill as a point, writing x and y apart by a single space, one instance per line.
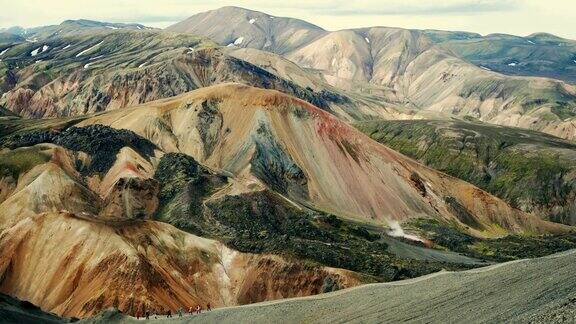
247 28
539 55
424 71
42 32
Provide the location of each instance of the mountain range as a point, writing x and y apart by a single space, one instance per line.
418 69
238 157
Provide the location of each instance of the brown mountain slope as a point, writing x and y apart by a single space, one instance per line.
75 267
263 136
61 250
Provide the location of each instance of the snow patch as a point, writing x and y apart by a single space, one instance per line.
239 41
4 51
513 64
252 21
38 61
485 68
138 27
89 49
65 47
572 61
190 50
45 48
111 27
95 57
367 40
141 65
397 231
35 52
87 65
31 40
531 42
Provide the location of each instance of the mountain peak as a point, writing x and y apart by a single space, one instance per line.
250 29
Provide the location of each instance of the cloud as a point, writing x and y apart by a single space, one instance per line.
390 8
506 16
144 19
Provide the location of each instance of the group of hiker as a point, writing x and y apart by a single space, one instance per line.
191 311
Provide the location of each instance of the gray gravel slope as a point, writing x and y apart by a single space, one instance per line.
537 290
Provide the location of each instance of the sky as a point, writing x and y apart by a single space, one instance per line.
517 17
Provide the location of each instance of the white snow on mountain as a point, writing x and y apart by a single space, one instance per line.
89 49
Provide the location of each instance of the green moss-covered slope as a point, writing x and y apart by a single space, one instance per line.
101 142
531 171
502 249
